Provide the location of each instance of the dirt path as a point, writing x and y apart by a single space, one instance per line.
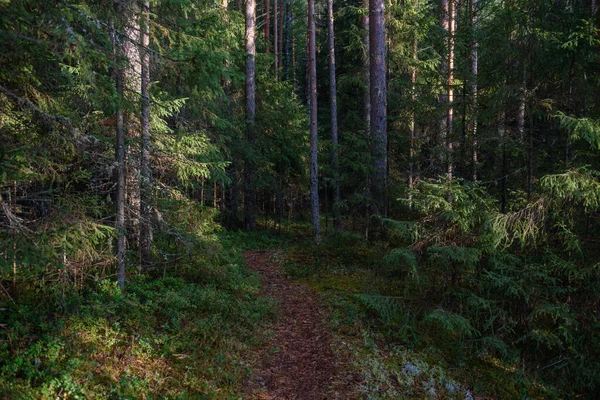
298 363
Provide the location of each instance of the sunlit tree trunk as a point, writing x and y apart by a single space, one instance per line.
132 82
145 165
378 102
334 118
450 86
314 170
249 184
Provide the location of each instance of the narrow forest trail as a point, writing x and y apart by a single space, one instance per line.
298 362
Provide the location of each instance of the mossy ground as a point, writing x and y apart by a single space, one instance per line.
190 336
370 318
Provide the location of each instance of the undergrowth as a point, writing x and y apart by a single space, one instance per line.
403 341
187 327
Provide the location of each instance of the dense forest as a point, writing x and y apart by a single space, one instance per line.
427 170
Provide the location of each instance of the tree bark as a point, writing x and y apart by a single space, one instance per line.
450 111
288 39
275 38
474 87
250 44
120 158
314 170
293 56
378 103
280 40
366 68
334 119
145 162
129 13
504 170
413 125
268 24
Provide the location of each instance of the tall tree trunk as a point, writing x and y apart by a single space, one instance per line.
120 158
145 162
314 169
249 184
334 120
275 38
280 40
129 14
450 110
413 125
504 161
378 103
569 110
293 56
288 39
521 109
474 88
530 159
366 67
268 24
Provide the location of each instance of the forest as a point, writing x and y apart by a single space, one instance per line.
299 199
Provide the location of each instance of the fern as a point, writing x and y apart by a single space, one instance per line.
453 324
386 307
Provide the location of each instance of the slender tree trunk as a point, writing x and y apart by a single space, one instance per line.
334 119
288 39
504 169
276 37
120 158
145 167
366 67
250 44
474 78
215 195
413 125
530 159
280 40
132 90
569 109
378 102
450 111
293 60
521 109
314 170
443 96
268 24
202 192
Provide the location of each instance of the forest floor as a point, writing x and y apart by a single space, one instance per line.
299 362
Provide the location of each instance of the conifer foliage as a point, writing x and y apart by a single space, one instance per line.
135 133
